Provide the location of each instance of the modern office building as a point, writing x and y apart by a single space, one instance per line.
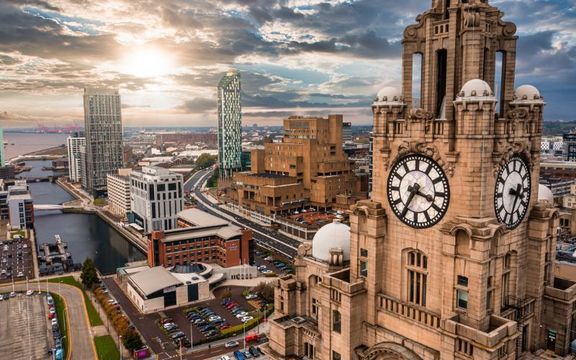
309 167
119 192
156 198
569 146
2 160
20 206
453 256
229 124
103 132
73 144
201 237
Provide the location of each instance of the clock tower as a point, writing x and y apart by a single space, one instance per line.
452 257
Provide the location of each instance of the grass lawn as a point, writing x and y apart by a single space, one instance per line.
61 315
106 348
92 313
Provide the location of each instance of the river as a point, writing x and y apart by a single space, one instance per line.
87 235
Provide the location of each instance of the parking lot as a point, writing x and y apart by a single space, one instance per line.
16 260
24 329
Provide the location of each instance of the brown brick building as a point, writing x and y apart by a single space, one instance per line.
308 167
452 258
201 237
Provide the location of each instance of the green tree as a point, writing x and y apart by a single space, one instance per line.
205 160
132 340
89 275
265 290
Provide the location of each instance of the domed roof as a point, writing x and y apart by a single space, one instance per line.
545 194
389 94
527 92
330 236
476 88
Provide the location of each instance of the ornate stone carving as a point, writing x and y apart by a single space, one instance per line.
508 28
388 350
427 149
420 114
517 114
471 20
305 249
508 150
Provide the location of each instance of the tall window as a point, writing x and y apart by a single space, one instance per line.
462 292
336 321
506 280
315 308
417 268
309 350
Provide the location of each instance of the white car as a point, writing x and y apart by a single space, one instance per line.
54 321
224 357
246 318
29 292
231 344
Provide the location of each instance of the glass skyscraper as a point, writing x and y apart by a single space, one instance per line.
229 124
103 132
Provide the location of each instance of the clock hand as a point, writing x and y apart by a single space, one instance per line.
425 196
413 190
517 194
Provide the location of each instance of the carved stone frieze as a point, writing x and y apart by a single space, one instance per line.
504 151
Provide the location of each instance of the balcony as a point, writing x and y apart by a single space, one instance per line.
498 329
518 309
409 311
562 289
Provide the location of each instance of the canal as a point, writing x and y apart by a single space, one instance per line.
87 235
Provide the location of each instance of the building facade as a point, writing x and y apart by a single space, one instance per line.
309 167
103 132
20 206
452 258
229 124
73 145
156 198
201 237
119 192
2 160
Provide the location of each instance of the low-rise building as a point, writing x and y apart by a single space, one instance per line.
119 192
201 237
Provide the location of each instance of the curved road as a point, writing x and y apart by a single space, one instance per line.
79 331
264 236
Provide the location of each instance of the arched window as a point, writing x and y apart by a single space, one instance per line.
336 321
417 274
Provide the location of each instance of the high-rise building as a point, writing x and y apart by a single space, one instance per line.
156 198
453 256
1 147
119 192
73 144
103 132
229 124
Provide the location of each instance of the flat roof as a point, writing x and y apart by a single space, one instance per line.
201 218
154 279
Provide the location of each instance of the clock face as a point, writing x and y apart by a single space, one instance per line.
418 191
512 192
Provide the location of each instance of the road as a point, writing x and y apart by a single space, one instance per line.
81 344
265 237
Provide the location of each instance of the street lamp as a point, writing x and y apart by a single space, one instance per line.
244 327
120 345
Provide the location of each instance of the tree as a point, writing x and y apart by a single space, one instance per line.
265 290
89 275
132 340
205 160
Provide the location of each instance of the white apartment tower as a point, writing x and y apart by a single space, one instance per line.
119 192
229 124
156 197
73 144
103 131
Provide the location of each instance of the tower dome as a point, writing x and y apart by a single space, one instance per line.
330 236
527 93
476 88
389 94
545 194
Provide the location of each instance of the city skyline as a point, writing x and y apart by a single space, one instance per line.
295 57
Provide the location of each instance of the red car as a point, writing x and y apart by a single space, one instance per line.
51 316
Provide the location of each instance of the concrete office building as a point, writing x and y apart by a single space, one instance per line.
309 167
73 144
103 132
119 192
453 256
229 124
156 198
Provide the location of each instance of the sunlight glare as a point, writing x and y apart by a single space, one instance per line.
147 62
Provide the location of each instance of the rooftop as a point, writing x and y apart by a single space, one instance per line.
154 279
200 218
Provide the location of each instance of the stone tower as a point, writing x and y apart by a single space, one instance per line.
452 257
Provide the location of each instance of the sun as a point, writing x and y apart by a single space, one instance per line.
147 62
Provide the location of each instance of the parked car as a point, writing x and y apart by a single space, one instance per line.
253 351
29 292
231 344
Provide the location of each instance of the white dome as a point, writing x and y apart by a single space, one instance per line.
330 236
545 194
476 88
527 92
389 94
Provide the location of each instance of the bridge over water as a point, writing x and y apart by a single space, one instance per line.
46 207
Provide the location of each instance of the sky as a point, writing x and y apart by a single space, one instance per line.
296 57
